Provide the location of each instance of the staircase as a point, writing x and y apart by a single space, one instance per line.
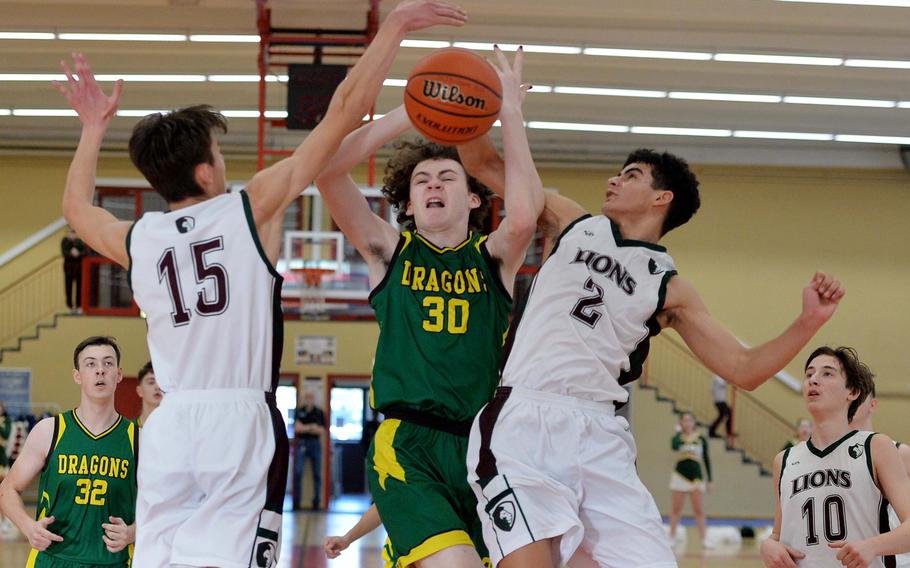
31 303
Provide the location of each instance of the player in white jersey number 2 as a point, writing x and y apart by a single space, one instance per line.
215 453
832 490
552 466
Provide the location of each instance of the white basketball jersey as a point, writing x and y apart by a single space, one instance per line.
211 297
590 314
829 495
902 560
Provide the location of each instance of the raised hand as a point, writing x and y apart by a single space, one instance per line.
513 90
419 14
85 96
821 297
39 537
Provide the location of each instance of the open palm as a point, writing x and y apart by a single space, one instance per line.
84 94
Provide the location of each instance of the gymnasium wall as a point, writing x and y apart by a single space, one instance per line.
759 237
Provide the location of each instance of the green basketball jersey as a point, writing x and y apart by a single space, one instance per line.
443 314
87 479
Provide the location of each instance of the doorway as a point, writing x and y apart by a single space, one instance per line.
351 426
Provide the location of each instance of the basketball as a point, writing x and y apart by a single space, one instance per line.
453 96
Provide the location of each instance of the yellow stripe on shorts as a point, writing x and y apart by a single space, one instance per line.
434 544
384 460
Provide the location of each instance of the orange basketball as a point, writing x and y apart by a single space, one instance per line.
453 96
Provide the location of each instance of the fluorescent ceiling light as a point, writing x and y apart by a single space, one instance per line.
424 43
241 113
540 89
577 126
778 59
893 3
139 113
152 78
839 102
43 112
731 97
27 35
241 78
225 38
647 53
878 63
121 37
276 114
32 77
483 46
609 92
395 83
901 140
5 112
712 132
783 135
903 104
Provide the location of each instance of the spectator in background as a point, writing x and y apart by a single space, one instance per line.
149 392
309 426
73 250
803 433
724 415
691 476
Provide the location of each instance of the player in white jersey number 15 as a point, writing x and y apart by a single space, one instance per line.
832 490
215 452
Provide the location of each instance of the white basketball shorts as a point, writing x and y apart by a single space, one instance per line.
545 465
212 476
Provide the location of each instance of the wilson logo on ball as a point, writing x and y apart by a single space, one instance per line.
451 94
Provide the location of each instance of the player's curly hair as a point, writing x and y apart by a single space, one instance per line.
396 185
858 375
671 173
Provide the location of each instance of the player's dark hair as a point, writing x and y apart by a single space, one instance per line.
859 376
671 173
145 370
396 185
167 147
95 340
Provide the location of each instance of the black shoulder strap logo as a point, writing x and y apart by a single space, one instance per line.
855 451
185 224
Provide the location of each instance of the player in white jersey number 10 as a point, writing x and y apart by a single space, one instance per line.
832 490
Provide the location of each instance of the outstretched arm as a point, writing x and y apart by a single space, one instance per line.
524 197
716 347
97 226
273 189
373 237
481 160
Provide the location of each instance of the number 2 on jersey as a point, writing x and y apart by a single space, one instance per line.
585 309
170 275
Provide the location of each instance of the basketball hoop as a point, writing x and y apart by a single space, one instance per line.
312 300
